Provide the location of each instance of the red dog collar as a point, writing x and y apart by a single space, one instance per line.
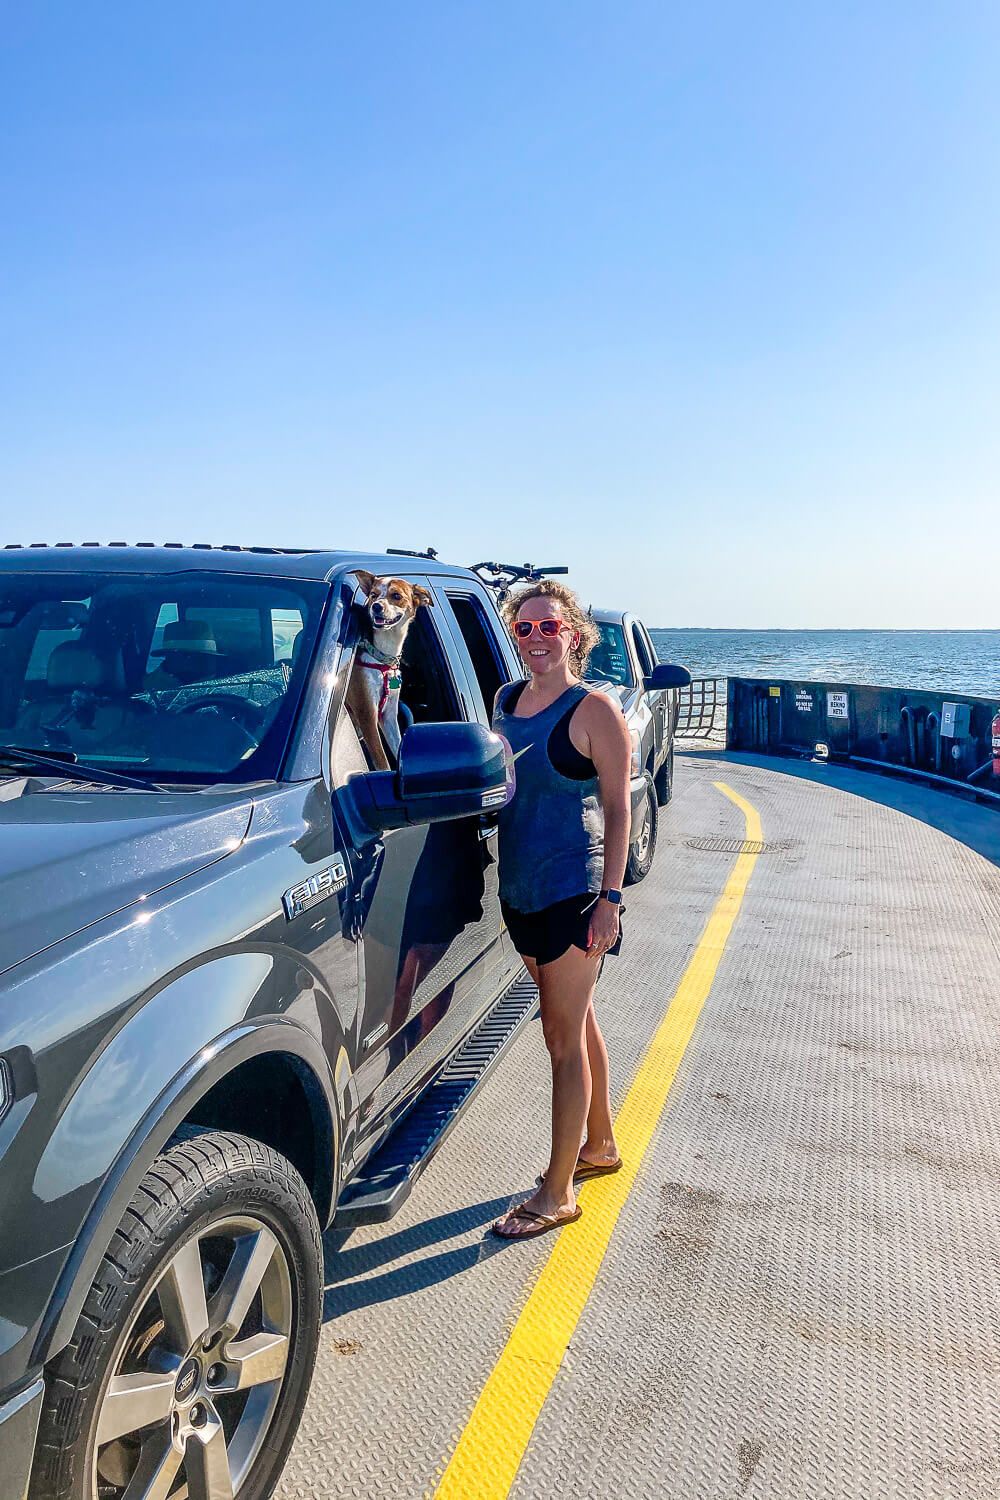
390 679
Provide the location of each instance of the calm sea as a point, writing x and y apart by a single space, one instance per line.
956 661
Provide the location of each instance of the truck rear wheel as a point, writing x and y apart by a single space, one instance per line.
643 846
190 1363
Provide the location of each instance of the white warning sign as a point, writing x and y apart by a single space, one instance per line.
836 706
804 701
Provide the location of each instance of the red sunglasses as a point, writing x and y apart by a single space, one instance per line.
523 628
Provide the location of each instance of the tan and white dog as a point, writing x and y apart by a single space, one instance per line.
373 693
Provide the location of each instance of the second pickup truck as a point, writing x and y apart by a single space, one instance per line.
624 663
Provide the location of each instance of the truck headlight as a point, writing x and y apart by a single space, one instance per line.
635 737
6 1088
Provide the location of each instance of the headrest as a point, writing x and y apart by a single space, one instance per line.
297 646
75 664
194 636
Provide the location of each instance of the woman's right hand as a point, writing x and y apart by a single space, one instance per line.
603 931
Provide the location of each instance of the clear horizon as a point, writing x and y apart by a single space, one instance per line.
830 629
703 304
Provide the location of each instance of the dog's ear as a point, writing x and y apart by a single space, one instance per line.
365 579
422 596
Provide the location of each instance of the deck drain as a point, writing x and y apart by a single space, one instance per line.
729 846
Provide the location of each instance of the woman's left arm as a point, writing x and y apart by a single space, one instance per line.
611 751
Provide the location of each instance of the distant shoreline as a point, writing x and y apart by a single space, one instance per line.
946 661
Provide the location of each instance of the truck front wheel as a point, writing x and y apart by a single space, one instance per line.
189 1366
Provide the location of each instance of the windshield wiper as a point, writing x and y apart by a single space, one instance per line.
66 764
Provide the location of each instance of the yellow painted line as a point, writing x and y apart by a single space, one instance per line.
492 1444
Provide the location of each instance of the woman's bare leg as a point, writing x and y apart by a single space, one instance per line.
566 988
600 1143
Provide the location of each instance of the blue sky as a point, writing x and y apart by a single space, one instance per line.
703 301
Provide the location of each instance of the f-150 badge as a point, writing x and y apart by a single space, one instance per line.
324 883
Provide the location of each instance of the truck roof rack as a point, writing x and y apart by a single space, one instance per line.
430 555
194 546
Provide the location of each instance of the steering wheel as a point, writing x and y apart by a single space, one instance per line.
248 715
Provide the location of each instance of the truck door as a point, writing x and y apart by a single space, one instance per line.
427 902
487 654
489 658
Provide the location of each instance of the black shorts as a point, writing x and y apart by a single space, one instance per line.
547 934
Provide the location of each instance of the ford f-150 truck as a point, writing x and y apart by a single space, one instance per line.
246 984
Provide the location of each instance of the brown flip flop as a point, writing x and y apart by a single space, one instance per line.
585 1169
545 1222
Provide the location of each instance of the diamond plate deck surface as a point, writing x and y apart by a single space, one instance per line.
801 1296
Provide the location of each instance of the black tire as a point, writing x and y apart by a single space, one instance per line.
227 1206
642 849
664 781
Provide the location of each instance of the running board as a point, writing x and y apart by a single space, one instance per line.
386 1180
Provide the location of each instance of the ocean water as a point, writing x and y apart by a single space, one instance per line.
955 661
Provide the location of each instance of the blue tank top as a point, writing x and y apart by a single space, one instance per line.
551 835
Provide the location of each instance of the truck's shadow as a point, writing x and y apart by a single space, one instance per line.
349 1284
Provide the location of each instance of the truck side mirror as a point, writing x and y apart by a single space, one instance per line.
666 675
445 771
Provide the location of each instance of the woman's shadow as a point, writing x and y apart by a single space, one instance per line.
350 1286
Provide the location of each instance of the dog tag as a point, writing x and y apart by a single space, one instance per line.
395 681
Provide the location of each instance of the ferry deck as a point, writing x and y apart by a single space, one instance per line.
791 1288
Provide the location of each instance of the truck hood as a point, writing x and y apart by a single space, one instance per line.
67 859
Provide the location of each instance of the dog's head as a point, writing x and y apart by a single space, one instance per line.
391 601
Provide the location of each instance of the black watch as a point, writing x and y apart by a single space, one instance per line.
615 897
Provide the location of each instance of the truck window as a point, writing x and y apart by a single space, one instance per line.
609 660
46 641
241 633
428 689
427 693
286 627
481 644
167 676
641 651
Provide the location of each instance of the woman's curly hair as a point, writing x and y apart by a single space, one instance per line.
573 613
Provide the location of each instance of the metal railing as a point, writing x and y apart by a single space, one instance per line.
702 709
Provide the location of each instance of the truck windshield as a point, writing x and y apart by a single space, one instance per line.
181 677
609 661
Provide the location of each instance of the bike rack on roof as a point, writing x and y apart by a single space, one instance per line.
499 576
502 576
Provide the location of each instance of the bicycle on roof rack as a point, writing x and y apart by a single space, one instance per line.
499 576
502 577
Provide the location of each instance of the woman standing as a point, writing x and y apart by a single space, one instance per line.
563 842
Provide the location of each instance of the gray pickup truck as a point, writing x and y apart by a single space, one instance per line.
624 662
247 983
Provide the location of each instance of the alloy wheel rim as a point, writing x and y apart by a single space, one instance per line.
645 832
198 1370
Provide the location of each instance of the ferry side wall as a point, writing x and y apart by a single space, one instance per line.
939 735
